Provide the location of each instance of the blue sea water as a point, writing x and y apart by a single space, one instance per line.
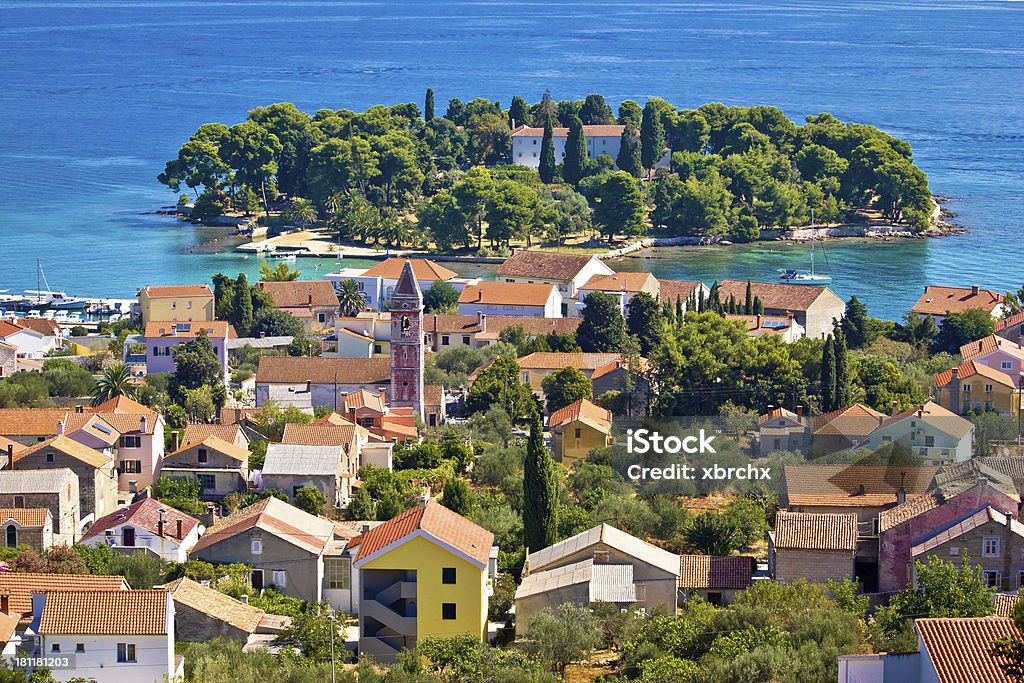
95 96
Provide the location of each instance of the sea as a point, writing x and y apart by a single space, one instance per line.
96 95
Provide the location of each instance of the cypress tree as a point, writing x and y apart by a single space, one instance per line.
518 113
242 308
575 153
540 492
748 303
842 356
628 158
223 296
855 323
547 154
758 306
713 303
652 137
428 106
828 376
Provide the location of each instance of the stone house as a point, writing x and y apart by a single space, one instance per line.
812 546
27 526
329 469
313 302
715 579
311 382
578 428
814 308
220 467
202 614
782 430
55 489
97 476
8 359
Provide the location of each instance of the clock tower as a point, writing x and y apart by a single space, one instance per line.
407 345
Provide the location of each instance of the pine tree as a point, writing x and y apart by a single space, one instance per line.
748 303
518 113
575 153
855 323
713 302
547 154
628 158
842 356
242 308
828 376
652 137
458 497
540 492
428 106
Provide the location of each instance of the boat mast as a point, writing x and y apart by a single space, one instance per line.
39 284
812 241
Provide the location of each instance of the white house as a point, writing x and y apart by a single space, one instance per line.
511 298
621 286
935 435
567 272
378 283
113 636
29 337
600 139
147 524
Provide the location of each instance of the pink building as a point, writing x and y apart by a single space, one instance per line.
160 338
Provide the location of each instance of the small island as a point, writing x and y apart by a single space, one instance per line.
567 174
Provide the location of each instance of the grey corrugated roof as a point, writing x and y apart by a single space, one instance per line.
258 342
286 458
612 537
612 583
607 582
34 481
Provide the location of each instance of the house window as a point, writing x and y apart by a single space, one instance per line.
55 647
12 536
131 466
600 556
378 349
641 592
579 432
1020 579
338 572
189 305
444 340
988 388
929 441
256 579
131 442
126 652
715 599
49 457
990 546
280 578
174 305
967 388
201 455
1005 365
19 501
321 317
207 481
465 340
256 545
448 610
992 578
79 647
448 575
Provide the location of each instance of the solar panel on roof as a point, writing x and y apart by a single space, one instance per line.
774 324
102 428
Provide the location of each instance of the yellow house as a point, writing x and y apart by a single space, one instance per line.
578 428
973 386
426 572
177 302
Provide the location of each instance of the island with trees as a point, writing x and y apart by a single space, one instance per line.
400 176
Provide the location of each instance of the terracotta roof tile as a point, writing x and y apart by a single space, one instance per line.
195 433
319 434
990 344
892 517
810 531
215 604
31 517
435 520
622 282
507 294
671 290
121 405
774 295
776 413
857 420
970 369
433 395
145 514
178 290
301 293
840 485
276 517
47 328
546 265
296 370
37 421
942 300
706 571
69 447
961 649
8 625
129 423
19 587
10 446
114 612
555 360
494 324
583 411
589 131
1006 603
1011 321
425 270
7 328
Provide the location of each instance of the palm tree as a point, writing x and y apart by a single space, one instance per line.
115 381
301 212
350 299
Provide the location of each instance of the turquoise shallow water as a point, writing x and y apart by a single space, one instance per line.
95 96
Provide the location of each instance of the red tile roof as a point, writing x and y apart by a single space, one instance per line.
507 294
68 447
296 370
19 587
1015 319
215 604
942 300
436 521
622 282
195 433
276 517
556 360
326 434
424 270
809 484
216 329
494 324
545 265
961 649
774 295
589 131
33 517
855 420
990 344
115 612
970 369
121 405
47 328
301 293
671 290
1006 603
811 531
178 290
145 514
706 571
585 412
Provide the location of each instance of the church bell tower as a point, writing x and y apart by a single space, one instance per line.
407 342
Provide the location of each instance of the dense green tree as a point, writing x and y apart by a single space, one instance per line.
619 205
441 297
844 387
575 162
362 506
652 136
693 207
445 220
628 158
645 321
557 638
499 385
251 151
712 533
223 296
282 272
273 322
855 324
961 328
195 365
595 111
566 386
540 492
602 329
241 309
67 379
547 154
458 497
310 499
829 401
630 113
428 106
473 192
518 113
511 212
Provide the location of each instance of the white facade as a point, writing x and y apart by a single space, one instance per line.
31 344
378 290
567 289
526 144
552 308
166 547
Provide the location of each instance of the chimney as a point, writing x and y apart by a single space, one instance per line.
309 386
975 289
244 599
79 409
954 391
60 426
881 419
143 423
175 441
382 392
895 408
179 529
310 301
481 320
901 492
799 411
5 603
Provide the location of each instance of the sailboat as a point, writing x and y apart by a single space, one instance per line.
804 277
47 298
